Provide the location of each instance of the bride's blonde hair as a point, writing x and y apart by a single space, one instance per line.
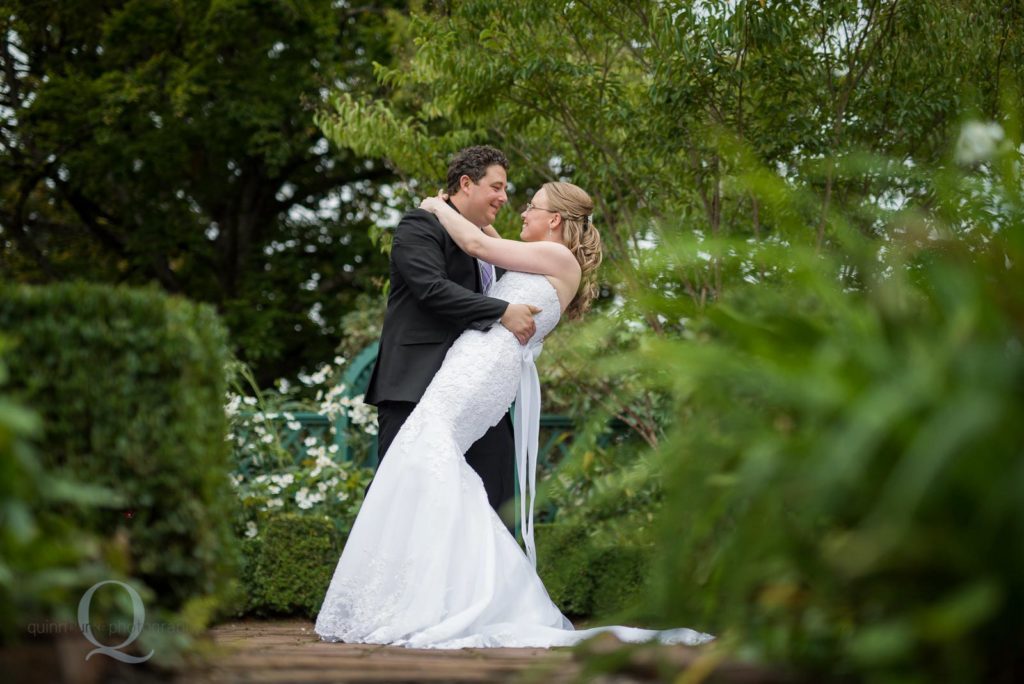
579 235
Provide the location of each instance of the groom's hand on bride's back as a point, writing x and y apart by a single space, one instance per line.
518 318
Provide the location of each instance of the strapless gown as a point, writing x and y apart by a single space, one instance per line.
428 563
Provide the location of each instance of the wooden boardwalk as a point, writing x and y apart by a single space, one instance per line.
289 651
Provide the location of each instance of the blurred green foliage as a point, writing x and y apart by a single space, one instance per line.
45 561
128 386
843 478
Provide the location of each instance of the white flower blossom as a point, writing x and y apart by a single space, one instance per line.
294 425
310 441
282 480
267 439
250 401
250 529
231 408
274 503
305 500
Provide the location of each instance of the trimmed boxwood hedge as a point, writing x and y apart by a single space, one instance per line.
586 579
130 387
287 568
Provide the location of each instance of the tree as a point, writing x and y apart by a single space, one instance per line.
172 143
652 105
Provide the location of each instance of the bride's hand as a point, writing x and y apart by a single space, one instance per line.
432 204
435 204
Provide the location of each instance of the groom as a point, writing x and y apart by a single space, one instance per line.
437 292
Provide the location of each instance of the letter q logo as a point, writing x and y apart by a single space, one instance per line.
139 619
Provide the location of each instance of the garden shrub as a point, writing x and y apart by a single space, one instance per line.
288 566
586 578
129 386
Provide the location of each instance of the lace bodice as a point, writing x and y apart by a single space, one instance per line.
480 375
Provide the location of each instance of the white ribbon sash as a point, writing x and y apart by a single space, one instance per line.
527 435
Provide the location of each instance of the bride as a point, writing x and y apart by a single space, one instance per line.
428 563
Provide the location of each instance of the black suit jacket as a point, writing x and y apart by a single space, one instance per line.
434 297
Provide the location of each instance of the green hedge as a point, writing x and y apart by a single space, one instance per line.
288 566
130 388
585 578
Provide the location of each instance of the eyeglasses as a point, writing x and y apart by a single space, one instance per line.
531 205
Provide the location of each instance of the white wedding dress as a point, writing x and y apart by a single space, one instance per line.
428 563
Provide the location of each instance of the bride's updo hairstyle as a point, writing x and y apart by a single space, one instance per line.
580 236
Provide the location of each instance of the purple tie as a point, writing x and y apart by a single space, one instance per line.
486 275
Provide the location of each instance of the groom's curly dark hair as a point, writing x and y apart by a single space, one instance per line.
473 162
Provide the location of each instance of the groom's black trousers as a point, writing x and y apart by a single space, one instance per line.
492 456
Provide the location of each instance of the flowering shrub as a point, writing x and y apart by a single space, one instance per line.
287 457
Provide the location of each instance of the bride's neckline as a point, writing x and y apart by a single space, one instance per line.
554 290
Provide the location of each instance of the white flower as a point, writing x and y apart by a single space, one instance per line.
267 439
250 401
274 503
274 489
315 472
282 480
333 449
236 479
338 360
231 408
342 496
978 141
288 416
321 487
250 529
304 500
310 441
294 425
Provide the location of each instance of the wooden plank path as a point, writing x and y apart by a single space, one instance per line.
289 651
